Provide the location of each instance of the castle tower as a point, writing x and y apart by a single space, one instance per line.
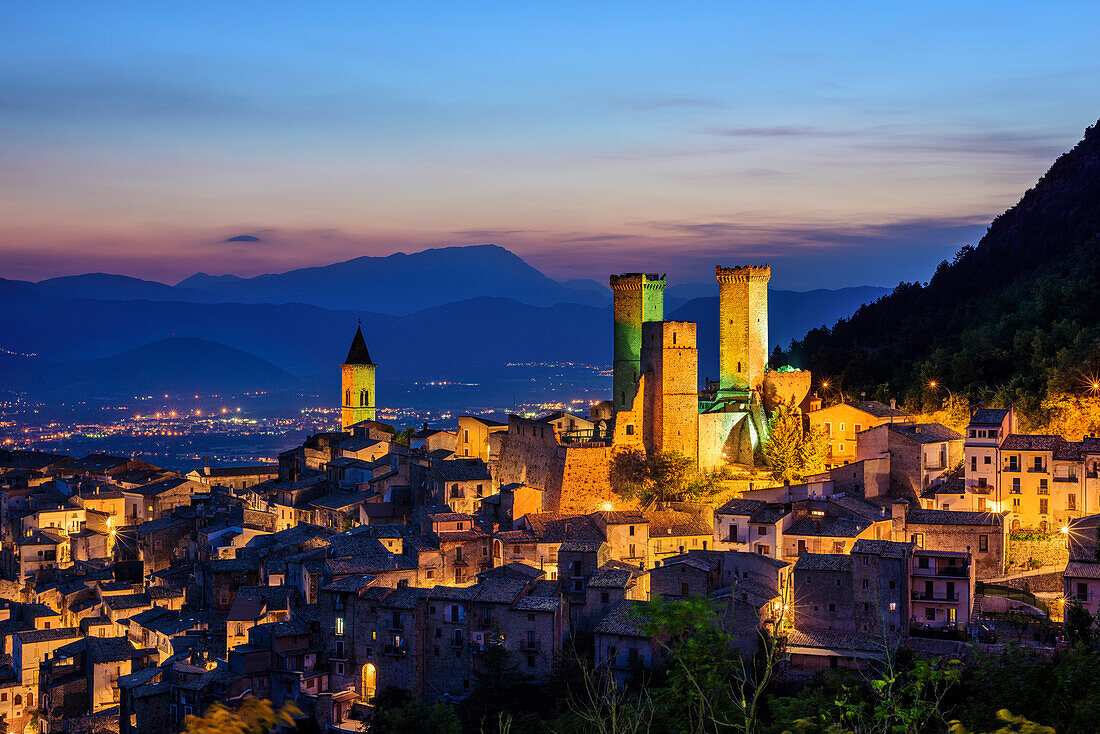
670 363
639 298
742 326
357 381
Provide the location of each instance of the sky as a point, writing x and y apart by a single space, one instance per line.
844 143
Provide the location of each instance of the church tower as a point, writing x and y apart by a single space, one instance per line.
357 380
639 298
742 326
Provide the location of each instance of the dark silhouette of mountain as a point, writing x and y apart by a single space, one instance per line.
177 365
790 315
471 339
1007 321
400 283
108 287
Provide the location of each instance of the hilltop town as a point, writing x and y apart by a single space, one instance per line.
371 558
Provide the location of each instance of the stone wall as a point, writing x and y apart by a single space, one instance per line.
723 438
742 325
1032 550
574 478
785 388
670 363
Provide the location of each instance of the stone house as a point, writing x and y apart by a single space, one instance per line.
982 534
472 437
943 589
919 453
461 484
844 422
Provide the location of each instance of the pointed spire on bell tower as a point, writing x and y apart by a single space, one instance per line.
358 353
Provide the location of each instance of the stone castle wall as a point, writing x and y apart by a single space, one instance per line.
574 478
671 399
785 388
742 325
638 298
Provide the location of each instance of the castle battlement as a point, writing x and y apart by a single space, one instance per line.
637 281
743 274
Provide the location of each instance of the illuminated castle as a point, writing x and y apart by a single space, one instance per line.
657 402
357 380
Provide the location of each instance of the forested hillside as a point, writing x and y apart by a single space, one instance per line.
1015 319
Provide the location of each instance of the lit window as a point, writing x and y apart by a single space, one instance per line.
893 606
339 625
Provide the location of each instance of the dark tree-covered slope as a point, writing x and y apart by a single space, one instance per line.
1010 320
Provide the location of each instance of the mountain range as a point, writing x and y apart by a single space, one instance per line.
94 323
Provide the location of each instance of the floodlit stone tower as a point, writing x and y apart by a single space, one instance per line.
639 298
357 380
670 363
742 326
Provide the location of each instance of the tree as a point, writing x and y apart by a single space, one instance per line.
667 476
251 716
898 700
783 448
791 452
1078 624
1012 725
397 712
404 437
1072 416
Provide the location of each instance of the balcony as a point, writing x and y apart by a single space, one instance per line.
1036 470
949 571
1065 479
935 596
1012 469
531 644
484 620
457 643
1043 492
397 651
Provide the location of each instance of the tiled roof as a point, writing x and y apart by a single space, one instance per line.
1069 450
952 517
1030 442
60 633
671 522
1082 570
830 640
579 546
988 417
876 409
405 597
626 619
538 604
884 548
926 432
739 506
823 562
127 601
610 578
462 470
769 514
829 527
551 527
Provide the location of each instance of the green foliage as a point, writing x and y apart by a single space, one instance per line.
900 700
1012 725
404 437
1007 322
396 712
1079 624
791 452
664 477
251 716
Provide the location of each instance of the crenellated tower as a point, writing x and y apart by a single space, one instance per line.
670 364
357 380
639 298
742 326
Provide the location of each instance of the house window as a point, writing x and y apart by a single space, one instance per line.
988 460
981 504
858 428
974 463
339 625
917 539
1015 504
632 530
1015 485
828 429
893 606
929 612
1044 506
983 543
762 531
832 607
1071 502
604 597
629 427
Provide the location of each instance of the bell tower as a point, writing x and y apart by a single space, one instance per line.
357 381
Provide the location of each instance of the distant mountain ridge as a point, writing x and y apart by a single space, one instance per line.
172 365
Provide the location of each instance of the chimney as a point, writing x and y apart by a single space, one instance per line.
893 403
